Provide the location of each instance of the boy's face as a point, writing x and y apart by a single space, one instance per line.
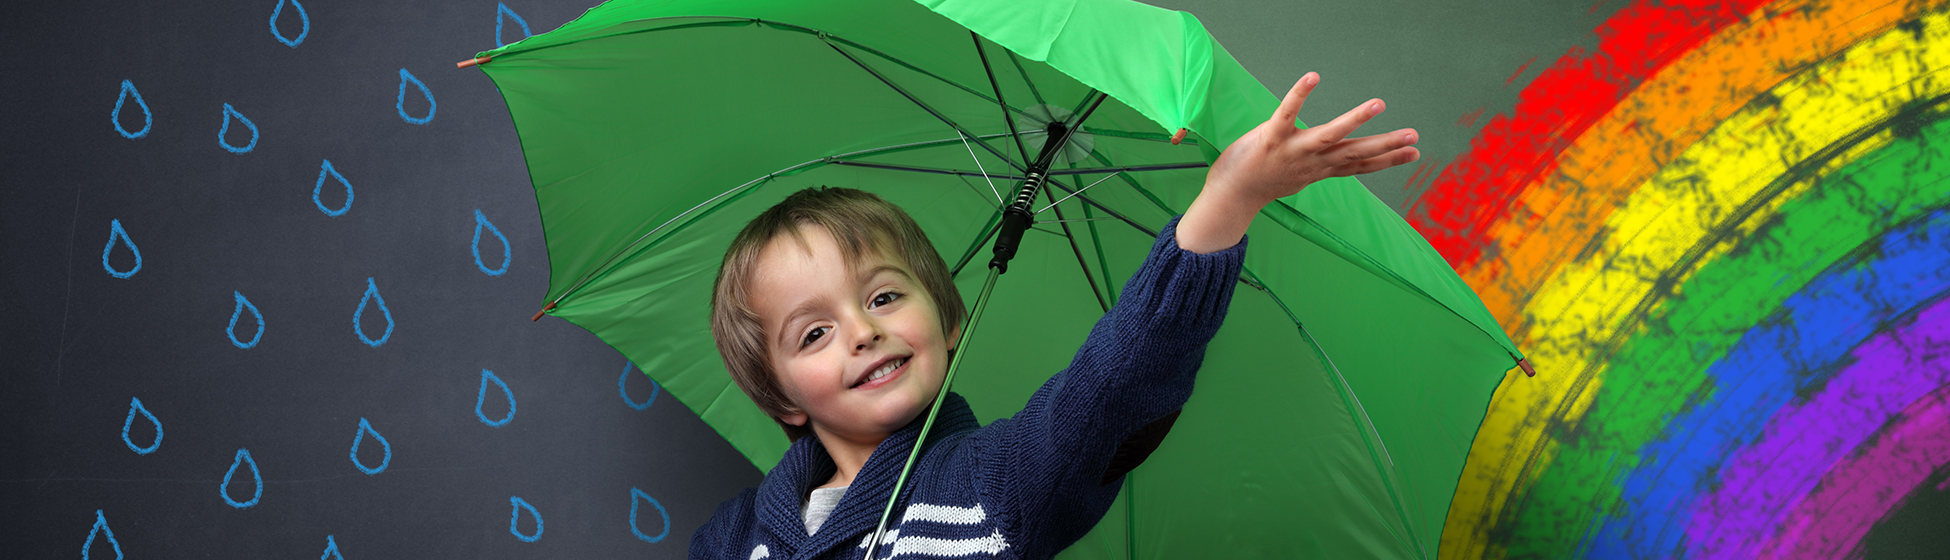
859 349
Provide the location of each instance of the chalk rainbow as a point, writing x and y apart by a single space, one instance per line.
1723 238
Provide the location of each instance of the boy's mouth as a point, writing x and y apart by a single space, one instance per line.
881 373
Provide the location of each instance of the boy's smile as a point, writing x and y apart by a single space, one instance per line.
859 349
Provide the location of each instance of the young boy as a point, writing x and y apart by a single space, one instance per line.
837 317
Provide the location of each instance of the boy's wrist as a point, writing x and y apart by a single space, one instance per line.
1217 219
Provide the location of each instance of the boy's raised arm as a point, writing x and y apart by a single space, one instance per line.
1050 461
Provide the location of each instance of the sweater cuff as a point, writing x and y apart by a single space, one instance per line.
1184 285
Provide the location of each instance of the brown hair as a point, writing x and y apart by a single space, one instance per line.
860 222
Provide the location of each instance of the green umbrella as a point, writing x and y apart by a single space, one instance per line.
654 130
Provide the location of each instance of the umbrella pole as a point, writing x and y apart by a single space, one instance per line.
1015 220
961 349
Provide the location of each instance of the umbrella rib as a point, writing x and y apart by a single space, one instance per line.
1032 84
1130 168
1081 264
917 101
984 170
1004 103
725 21
1074 220
913 145
1079 191
1248 278
1103 264
1101 206
920 169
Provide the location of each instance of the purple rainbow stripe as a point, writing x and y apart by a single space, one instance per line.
1875 479
1788 353
1762 483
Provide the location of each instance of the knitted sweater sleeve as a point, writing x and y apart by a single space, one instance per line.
1045 463
725 535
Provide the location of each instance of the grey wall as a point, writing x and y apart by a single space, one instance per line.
1433 62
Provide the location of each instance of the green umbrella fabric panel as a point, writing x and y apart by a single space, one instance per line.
1268 431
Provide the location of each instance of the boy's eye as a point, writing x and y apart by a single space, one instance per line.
883 299
813 336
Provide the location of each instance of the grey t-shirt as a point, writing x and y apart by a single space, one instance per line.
820 505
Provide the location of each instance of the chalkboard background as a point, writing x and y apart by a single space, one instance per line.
142 249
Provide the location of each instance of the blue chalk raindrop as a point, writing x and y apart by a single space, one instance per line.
135 406
405 78
622 386
229 114
637 497
324 170
366 428
243 458
114 231
331 549
480 399
501 11
515 517
303 20
372 296
507 252
128 89
243 304
101 528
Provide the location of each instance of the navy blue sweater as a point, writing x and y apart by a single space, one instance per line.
1022 487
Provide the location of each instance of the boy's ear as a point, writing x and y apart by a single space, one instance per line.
954 337
795 418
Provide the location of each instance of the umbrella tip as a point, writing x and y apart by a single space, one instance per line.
473 62
538 314
1528 370
1178 137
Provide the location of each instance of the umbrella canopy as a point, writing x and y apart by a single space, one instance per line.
654 131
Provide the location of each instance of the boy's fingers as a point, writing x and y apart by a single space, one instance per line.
1340 127
1290 106
1397 157
1349 151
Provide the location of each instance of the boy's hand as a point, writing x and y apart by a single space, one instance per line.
1277 159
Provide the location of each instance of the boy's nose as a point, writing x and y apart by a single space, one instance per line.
863 344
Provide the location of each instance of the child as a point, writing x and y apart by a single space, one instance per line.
837 317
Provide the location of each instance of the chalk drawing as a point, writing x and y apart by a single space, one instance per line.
128 89
501 11
507 252
135 405
324 170
404 78
243 458
115 231
372 296
331 549
622 386
487 376
366 428
101 528
637 497
303 20
243 304
230 113
515 516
